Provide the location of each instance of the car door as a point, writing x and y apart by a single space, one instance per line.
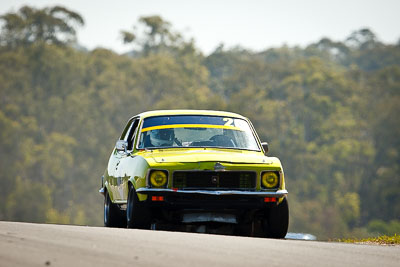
123 158
115 158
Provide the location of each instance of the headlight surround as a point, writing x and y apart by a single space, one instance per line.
270 179
158 178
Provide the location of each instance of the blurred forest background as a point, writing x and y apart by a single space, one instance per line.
330 112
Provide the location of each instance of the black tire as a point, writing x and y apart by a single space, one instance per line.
137 215
113 216
277 220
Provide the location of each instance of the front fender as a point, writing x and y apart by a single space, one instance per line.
105 190
135 169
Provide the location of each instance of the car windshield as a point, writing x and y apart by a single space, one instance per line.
196 131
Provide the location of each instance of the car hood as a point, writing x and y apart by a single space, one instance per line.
209 155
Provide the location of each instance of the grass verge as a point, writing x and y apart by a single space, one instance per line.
380 240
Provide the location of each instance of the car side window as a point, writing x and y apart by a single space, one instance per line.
130 137
126 129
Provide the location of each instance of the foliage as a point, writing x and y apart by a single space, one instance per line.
329 112
53 25
380 240
157 36
379 226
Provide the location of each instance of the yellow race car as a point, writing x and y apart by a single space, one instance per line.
194 168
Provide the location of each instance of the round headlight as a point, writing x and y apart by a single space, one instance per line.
158 178
269 179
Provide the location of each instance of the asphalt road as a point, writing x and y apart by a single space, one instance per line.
26 244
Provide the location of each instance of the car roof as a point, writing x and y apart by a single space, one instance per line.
189 112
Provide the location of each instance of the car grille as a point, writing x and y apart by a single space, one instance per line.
213 179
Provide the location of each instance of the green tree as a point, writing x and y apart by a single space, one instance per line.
157 36
53 25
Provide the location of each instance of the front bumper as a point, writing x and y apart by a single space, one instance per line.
210 199
193 206
164 191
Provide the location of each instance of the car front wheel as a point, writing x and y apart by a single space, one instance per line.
277 220
113 216
137 215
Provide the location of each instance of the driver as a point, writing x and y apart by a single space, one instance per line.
162 137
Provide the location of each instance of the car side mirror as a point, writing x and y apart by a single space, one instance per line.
121 146
265 147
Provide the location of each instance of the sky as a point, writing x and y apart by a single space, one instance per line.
252 24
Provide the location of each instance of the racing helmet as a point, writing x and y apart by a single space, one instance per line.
162 137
